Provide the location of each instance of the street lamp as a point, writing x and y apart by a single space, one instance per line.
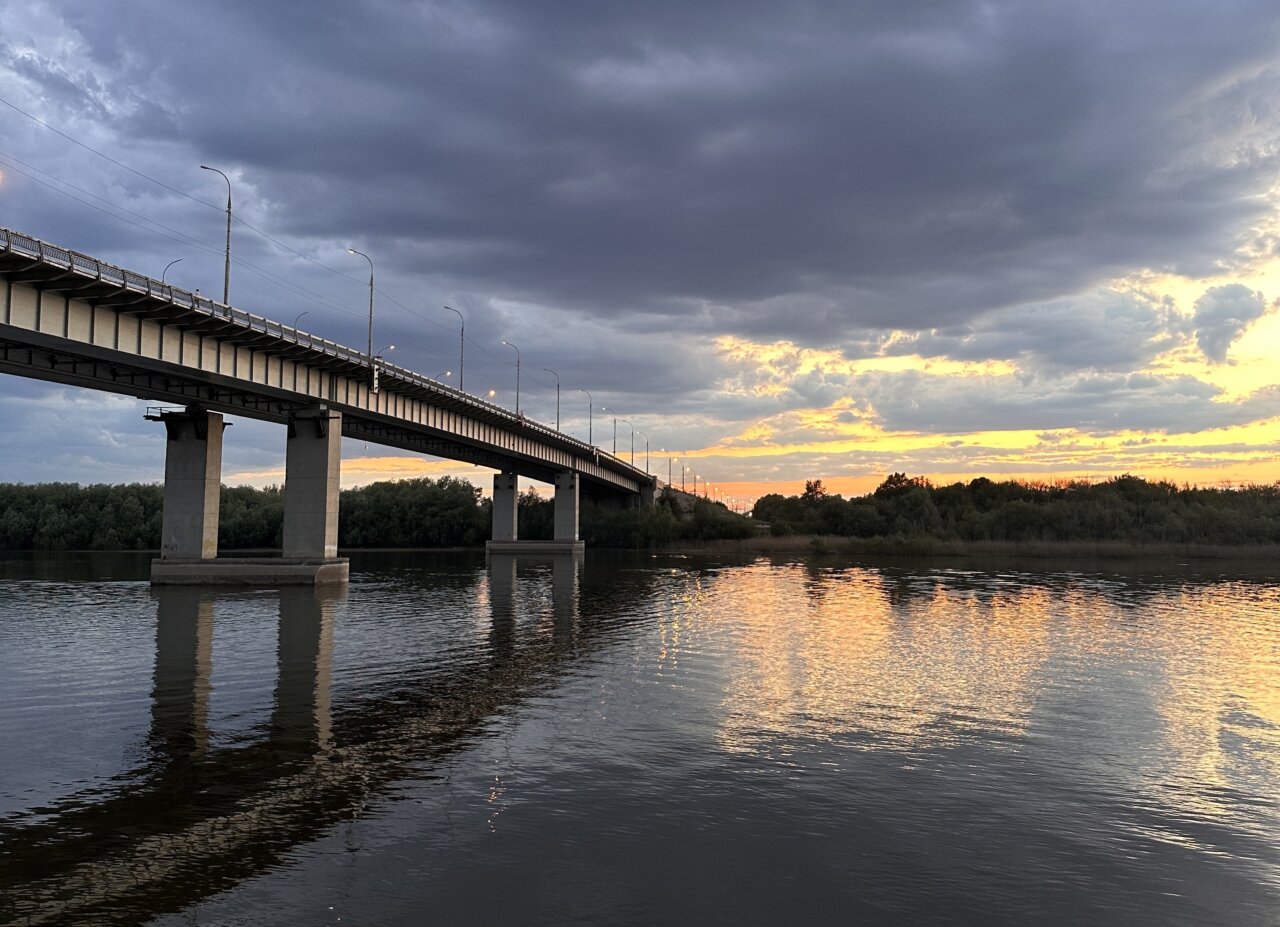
615 428
226 270
633 440
370 260
557 376
298 319
166 268
517 350
462 344
439 377
646 451
589 438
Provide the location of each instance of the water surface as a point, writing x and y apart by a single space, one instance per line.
640 740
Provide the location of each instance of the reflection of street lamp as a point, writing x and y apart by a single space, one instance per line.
557 376
462 344
166 268
226 270
517 350
589 438
370 260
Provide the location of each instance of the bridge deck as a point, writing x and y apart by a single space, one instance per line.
70 318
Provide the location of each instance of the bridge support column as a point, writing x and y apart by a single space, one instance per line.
192 484
566 510
505 510
505 499
312 467
310 508
648 495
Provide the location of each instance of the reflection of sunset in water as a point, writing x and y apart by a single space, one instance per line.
856 654
1167 688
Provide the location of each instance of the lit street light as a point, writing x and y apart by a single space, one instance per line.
615 428
226 270
557 376
462 344
633 440
589 437
370 260
517 350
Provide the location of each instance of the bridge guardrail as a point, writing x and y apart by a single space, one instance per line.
86 266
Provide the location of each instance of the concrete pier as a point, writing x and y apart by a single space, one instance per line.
312 468
505 510
566 510
193 471
192 484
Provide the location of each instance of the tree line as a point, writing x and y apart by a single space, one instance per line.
1123 508
445 512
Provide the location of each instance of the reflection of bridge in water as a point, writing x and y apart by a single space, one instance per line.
199 818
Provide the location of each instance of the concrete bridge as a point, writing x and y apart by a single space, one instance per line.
70 318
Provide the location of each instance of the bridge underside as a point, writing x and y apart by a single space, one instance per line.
168 383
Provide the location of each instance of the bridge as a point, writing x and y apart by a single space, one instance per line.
69 318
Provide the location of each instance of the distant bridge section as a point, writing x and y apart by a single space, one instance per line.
70 318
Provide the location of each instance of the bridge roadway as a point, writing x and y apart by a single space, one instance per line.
70 318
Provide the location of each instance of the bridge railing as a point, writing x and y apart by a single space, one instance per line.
85 266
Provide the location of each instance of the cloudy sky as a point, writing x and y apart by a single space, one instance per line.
785 240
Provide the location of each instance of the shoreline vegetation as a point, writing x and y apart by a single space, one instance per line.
1118 518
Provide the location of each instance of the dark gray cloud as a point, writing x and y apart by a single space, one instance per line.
1102 330
1222 314
915 164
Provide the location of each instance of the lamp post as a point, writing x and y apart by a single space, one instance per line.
370 260
517 350
646 451
633 440
226 269
298 319
166 268
615 428
462 344
557 376
589 437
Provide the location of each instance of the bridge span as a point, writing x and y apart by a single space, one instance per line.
69 318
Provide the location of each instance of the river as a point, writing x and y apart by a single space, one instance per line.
642 739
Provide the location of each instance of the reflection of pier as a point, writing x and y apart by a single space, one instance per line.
198 818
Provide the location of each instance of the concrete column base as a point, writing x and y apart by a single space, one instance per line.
534 547
250 571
